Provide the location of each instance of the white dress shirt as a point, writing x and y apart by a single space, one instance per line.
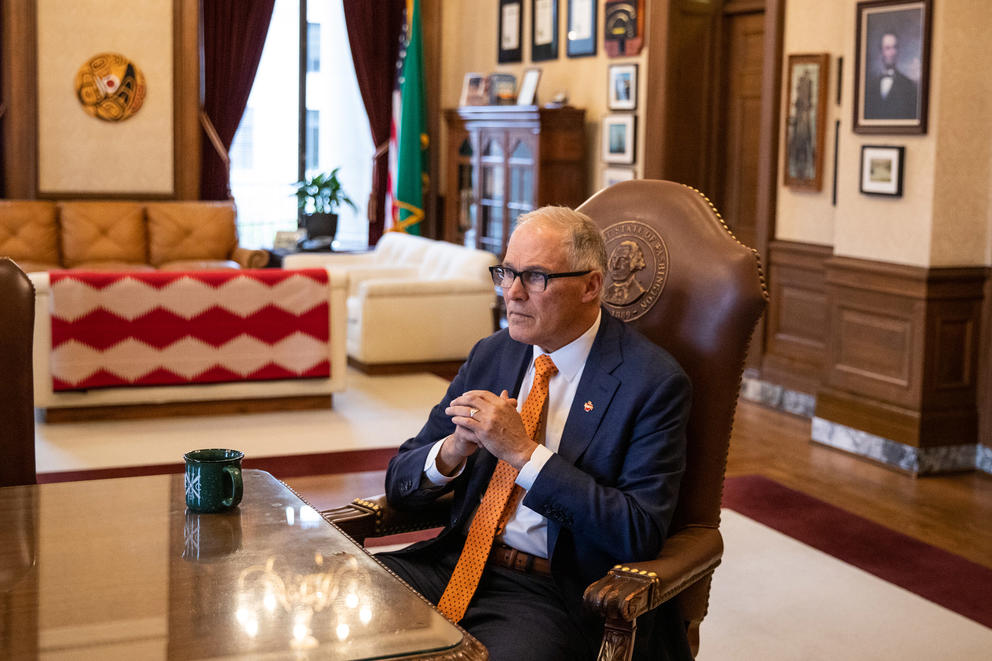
527 530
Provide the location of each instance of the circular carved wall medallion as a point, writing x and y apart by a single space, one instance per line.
636 268
110 87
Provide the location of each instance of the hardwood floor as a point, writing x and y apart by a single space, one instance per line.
951 512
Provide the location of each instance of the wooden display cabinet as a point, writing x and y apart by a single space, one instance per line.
504 161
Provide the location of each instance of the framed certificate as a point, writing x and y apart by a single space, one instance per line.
510 31
581 36
544 30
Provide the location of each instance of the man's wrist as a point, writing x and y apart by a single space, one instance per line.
524 456
431 468
448 462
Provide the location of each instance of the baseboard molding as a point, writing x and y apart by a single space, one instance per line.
983 460
778 397
189 408
916 461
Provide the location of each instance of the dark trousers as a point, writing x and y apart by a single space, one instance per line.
517 616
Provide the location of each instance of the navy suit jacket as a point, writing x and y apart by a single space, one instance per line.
610 491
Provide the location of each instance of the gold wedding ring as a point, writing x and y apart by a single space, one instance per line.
472 412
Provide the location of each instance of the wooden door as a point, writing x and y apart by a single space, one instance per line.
737 157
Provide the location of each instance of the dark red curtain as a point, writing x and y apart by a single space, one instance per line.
233 36
374 34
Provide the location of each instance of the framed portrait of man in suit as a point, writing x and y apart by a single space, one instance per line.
892 66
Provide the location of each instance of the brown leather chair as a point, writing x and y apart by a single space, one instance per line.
698 294
16 382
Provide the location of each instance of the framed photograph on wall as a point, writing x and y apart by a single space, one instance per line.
580 38
527 96
881 170
808 77
892 66
614 175
622 87
619 138
544 30
510 31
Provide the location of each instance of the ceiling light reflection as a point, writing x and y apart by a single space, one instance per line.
289 600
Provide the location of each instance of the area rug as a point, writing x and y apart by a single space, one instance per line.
932 573
775 598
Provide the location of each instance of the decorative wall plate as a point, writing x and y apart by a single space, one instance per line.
110 87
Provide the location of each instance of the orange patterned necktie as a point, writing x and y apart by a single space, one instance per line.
492 511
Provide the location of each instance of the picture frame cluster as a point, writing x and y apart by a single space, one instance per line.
891 93
619 129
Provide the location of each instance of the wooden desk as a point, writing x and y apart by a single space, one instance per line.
119 569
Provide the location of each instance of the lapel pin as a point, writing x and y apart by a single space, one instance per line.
587 406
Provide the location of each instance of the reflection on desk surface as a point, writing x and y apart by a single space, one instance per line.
119 569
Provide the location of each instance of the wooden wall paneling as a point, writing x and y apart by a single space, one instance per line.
656 95
19 60
694 88
186 99
765 202
902 357
797 317
431 26
20 95
985 366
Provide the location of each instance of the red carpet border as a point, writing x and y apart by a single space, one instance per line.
932 573
283 467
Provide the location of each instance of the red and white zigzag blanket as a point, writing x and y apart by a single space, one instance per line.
161 327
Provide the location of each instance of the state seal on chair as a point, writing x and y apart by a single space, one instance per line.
636 268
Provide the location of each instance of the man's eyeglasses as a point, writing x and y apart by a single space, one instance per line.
533 281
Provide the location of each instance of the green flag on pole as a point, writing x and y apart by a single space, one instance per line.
411 167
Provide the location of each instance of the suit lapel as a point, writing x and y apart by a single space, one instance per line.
595 392
513 366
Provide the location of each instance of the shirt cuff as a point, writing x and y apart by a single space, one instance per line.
527 474
433 475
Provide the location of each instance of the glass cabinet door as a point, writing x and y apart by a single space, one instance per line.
522 174
491 193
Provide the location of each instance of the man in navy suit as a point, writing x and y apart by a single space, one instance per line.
601 475
890 94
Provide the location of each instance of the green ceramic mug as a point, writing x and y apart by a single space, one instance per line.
213 480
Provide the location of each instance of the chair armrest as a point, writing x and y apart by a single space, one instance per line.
375 517
631 590
422 287
250 259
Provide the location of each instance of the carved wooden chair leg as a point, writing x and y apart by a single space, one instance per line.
618 640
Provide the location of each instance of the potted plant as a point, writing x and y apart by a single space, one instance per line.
318 198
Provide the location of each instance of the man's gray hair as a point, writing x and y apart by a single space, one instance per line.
583 241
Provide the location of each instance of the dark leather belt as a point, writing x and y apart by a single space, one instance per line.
507 556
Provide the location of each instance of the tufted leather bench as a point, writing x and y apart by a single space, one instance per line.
43 235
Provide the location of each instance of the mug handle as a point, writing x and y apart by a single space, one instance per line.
237 486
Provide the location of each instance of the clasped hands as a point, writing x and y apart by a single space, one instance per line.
483 419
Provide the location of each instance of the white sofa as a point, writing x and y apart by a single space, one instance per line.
210 397
412 300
